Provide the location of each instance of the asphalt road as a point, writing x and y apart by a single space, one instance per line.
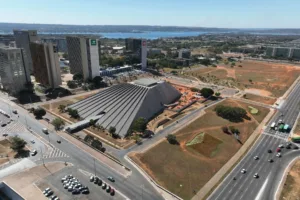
134 187
246 187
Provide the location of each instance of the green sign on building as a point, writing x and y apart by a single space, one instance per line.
93 42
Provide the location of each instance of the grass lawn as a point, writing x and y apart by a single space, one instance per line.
184 168
291 188
260 99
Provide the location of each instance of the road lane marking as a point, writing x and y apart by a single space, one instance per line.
259 194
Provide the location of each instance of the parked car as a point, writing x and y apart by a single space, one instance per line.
104 186
92 178
112 192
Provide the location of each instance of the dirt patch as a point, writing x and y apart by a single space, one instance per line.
291 188
183 169
259 92
271 79
260 99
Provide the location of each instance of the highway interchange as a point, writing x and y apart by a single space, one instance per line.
263 188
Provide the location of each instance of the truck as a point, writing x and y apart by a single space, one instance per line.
296 139
286 128
273 125
281 127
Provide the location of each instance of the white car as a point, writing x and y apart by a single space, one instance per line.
278 155
281 146
256 158
243 171
34 152
46 190
255 175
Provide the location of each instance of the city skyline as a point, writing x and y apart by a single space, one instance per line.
232 14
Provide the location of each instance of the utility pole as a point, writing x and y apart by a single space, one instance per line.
42 157
95 166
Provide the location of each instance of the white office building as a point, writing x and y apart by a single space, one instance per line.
84 55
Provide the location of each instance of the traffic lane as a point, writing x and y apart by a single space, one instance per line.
236 172
278 173
80 157
264 172
251 166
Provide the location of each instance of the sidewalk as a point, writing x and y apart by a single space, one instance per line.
214 181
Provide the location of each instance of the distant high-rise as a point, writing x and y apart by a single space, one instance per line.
138 48
46 68
23 39
184 53
13 77
84 55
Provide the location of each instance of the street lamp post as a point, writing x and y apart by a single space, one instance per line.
95 166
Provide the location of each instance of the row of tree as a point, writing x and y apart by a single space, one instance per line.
205 92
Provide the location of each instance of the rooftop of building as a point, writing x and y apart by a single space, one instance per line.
146 82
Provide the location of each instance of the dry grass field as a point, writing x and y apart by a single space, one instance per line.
261 99
267 79
203 149
291 188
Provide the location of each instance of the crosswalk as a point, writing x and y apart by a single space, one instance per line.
55 153
13 127
277 134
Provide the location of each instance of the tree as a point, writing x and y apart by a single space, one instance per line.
195 89
92 122
17 144
96 144
217 94
240 66
206 92
250 80
71 84
245 96
139 125
225 129
65 56
172 139
62 108
97 80
112 130
58 123
39 113
77 77
233 114
73 113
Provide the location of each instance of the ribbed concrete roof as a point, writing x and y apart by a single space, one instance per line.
122 104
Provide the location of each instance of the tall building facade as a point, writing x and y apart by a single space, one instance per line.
184 53
61 43
84 55
46 67
13 77
137 47
23 39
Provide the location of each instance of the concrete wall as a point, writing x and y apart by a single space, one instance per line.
10 193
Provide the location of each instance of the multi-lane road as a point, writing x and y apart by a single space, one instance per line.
134 186
245 186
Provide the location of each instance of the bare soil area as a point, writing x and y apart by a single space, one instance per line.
291 188
260 99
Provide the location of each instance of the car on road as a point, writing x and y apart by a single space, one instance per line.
32 141
47 120
296 147
269 151
33 152
255 175
92 178
111 179
256 158
280 146
3 125
278 150
5 134
243 171
288 145
58 141
15 111
271 160
278 155
45 130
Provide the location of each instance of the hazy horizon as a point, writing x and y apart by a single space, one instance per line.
267 14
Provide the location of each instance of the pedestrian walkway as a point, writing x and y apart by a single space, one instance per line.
55 153
13 127
9 163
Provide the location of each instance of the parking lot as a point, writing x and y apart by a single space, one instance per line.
96 191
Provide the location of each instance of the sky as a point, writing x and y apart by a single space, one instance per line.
195 13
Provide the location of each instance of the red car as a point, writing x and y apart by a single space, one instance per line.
112 191
278 150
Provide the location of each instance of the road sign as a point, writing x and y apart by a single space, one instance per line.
93 42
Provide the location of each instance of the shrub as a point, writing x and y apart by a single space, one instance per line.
172 139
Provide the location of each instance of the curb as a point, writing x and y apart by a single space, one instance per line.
149 178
